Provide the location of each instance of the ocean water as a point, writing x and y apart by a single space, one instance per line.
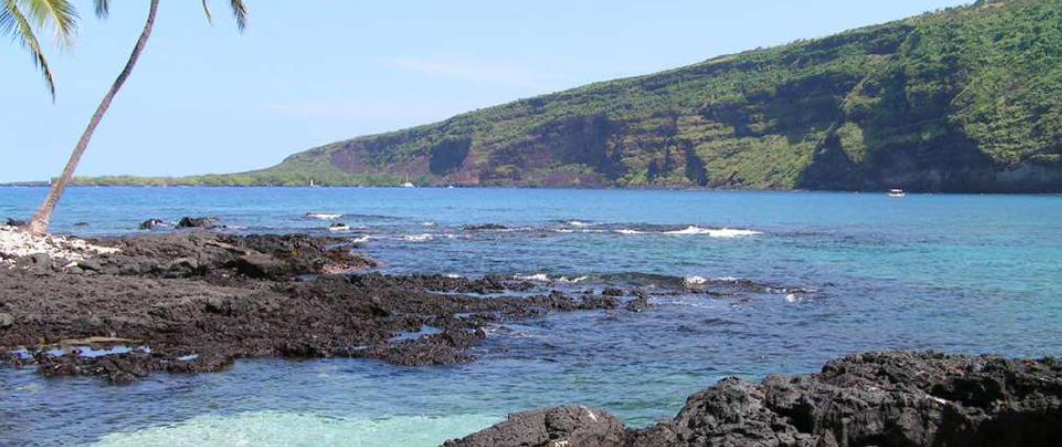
847 273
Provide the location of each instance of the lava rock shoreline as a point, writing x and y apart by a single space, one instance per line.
193 302
875 399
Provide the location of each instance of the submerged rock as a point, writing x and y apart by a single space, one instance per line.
485 227
876 399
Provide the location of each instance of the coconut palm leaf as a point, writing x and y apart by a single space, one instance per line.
239 12
18 18
58 14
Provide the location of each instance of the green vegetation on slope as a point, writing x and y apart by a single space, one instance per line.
966 99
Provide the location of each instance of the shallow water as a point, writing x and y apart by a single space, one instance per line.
848 273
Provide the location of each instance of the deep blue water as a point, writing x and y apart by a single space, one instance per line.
958 273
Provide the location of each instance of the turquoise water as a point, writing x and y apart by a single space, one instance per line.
850 272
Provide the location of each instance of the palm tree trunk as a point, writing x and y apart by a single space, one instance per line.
43 219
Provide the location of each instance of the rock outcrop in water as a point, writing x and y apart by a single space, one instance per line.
878 399
194 302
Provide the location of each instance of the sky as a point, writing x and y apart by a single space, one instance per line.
208 99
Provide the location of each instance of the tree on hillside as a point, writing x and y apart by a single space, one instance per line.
42 220
21 19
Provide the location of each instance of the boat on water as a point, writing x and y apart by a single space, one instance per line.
408 185
897 193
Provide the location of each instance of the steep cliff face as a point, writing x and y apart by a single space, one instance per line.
965 99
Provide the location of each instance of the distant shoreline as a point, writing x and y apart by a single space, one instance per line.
557 187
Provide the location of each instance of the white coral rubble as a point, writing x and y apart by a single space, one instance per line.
16 243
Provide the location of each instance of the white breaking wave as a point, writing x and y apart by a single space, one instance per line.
418 237
573 280
712 232
695 280
361 240
626 231
275 429
577 224
323 216
339 228
453 276
540 277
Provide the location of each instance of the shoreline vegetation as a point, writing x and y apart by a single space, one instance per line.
175 182
958 100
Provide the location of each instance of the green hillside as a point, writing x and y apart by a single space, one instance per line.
967 99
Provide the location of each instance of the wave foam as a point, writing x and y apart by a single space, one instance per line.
418 237
695 280
540 277
323 216
713 232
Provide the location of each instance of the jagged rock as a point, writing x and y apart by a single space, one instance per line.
152 224
877 399
6 320
556 427
197 222
17 223
259 265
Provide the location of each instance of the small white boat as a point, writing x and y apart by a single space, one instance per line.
897 193
408 185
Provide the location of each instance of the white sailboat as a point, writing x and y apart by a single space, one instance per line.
897 193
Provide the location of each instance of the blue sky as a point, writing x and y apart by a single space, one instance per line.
209 99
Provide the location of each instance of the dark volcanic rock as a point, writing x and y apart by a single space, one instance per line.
639 304
151 224
556 427
16 223
878 399
199 300
197 222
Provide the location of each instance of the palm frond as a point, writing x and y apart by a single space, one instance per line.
103 8
59 14
206 10
15 23
239 12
